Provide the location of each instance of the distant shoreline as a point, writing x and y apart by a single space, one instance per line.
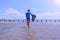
23 20
10 22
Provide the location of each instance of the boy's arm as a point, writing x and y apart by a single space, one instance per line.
31 14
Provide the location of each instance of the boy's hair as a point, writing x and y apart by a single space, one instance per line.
28 10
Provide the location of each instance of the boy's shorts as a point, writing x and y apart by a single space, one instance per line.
28 19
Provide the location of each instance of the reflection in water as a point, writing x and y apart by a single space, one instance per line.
30 35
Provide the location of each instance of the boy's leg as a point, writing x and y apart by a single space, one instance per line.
28 25
28 22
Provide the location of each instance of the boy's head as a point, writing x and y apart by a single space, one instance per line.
28 10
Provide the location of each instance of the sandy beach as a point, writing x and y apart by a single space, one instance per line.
37 31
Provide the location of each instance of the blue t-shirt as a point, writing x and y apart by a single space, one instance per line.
28 14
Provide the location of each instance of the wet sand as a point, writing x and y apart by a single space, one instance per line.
17 34
41 31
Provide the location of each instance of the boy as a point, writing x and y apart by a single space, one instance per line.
28 13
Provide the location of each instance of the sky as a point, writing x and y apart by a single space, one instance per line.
43 9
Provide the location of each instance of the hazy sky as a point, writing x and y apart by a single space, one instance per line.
16 9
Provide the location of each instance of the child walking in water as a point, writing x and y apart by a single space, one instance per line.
28 13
